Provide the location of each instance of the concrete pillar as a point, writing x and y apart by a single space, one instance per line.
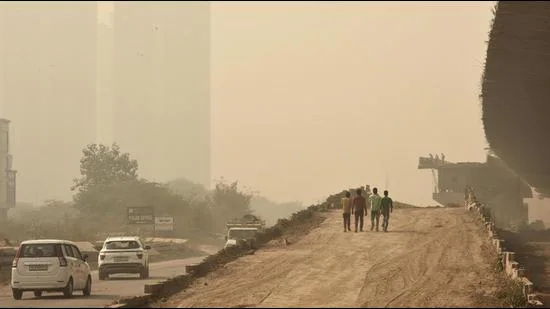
527 287
511 257
500 245
3 216
505 255
510 263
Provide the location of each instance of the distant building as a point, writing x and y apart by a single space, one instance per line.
7 174
494 184
161 87
137 73
47 90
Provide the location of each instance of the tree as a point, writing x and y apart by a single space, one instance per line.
103 166
106 176
230 201
271 211
104 207
188 189
109 184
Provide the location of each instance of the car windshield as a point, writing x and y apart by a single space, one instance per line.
39 250
122 244
241 234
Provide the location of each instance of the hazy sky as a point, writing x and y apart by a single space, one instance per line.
310 98
307 98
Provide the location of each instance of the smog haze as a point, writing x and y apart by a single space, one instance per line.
291 99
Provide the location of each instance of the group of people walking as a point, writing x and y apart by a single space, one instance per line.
358 207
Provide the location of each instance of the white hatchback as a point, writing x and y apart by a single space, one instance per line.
50 266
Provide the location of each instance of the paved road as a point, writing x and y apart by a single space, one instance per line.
103 292
429 258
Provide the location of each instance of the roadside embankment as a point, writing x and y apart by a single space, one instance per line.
522 291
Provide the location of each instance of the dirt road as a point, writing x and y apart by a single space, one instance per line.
435 257
103 292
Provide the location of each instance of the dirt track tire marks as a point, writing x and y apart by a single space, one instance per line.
429 258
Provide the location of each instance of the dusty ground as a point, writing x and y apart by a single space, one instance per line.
434 257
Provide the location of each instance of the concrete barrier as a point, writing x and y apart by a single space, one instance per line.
190 268
132 302
154 288
7 254
508 259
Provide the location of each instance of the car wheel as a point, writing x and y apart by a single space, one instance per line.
68 291
17 294
37 293
102 275
88 288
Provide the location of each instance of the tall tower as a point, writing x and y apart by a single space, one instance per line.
104 75
7 174
162 87
48 76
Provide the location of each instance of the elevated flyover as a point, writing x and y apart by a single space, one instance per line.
516 89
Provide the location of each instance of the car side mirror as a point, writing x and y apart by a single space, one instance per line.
84 257
147 247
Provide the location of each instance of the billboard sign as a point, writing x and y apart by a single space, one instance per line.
141 215
164 224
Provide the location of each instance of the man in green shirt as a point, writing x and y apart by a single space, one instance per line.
387 208
375 203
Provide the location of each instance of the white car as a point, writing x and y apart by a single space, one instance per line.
123 255
50 266
239 233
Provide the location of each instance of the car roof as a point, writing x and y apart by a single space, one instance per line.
46 241
122 238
